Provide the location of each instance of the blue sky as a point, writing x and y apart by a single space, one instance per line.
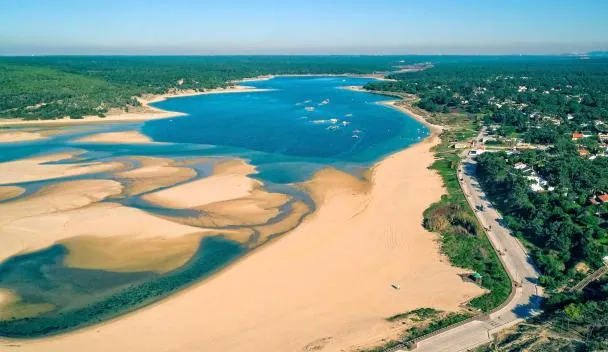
301 27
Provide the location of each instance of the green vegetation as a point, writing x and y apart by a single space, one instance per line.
550 201
462 237
443 322
420 313
53 87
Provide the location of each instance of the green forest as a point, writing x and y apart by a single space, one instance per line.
74 86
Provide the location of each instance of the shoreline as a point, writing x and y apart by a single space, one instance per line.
344 211
152 112
394 104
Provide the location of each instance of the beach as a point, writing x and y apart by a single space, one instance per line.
326 284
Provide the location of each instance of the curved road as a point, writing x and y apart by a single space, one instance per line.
524 303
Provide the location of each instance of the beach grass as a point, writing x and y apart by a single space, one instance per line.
462 237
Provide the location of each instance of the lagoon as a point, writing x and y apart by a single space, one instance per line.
298 126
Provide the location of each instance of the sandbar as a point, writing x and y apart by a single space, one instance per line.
40 168
19 136
38 220
154 173
123 137
10 192
326 283
228 181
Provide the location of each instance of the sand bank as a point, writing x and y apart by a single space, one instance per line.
27 224
160 254
9 192
125 137
152 174
228 181
40 168
325 284
203 191
11 307
19 136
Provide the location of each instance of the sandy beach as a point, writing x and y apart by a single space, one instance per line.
326 284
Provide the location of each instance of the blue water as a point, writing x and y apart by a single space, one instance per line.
299 126
302 124
275 130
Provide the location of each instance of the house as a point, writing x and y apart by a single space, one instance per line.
599 198
603 137
520 166
576 136
461 145
583 152
538 184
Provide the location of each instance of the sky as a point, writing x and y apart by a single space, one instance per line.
205 27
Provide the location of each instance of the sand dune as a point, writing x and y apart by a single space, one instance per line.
126 137
326 284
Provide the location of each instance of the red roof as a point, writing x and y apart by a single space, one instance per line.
577 135
583 152
603 198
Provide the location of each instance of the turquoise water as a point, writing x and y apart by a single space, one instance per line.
299 126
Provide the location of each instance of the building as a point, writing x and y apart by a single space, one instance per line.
583 152
576 136
599 198
461 145
603 137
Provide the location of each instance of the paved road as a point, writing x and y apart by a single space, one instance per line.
523 304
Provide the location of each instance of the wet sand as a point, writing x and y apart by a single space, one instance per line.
19 136
325 284
153 173
41 168
10 192
128 137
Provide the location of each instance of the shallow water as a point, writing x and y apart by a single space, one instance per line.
298 127
302 124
